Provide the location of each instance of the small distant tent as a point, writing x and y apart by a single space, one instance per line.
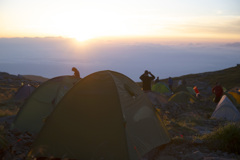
104 116
41 103
161 87
23 93
182 97
226 110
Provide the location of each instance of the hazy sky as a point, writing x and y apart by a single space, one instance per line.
218 19
167 37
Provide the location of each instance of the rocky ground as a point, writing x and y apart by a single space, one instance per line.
13 144
185 122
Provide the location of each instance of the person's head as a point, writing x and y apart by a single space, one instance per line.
74 69
146 72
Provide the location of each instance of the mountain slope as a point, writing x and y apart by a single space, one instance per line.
229 77
35 78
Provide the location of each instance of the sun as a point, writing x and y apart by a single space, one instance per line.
83 34
84 25
83 37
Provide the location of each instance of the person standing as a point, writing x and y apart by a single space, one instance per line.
218 91
196 91
147 78
157 80
170 83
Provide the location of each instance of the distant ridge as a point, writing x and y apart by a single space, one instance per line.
228 77
35 78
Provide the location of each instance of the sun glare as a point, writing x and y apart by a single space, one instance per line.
82 37
87 24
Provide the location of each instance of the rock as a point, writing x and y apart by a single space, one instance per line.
219 152
212 155
198 141
202 130
197 155
225 154
163 157
217 158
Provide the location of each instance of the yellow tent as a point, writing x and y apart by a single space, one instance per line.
182 97
236 96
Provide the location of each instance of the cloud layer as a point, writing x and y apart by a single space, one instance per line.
52 57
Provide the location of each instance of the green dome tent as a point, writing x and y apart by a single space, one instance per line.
104 116
161 87
41 103
226 110
182 97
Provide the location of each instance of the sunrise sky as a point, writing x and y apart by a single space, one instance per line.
83 20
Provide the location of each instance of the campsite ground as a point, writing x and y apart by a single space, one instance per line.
187 123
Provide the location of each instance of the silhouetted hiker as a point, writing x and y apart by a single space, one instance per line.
76 72
146 80
170 83
218 91
157 80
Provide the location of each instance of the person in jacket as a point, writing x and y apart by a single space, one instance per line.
196 91
218 91
147 78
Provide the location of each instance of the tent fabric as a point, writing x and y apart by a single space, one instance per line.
226 110
157 99
236 96
182 97
23 92
191 91
104 116
231 98
41 103
161 87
